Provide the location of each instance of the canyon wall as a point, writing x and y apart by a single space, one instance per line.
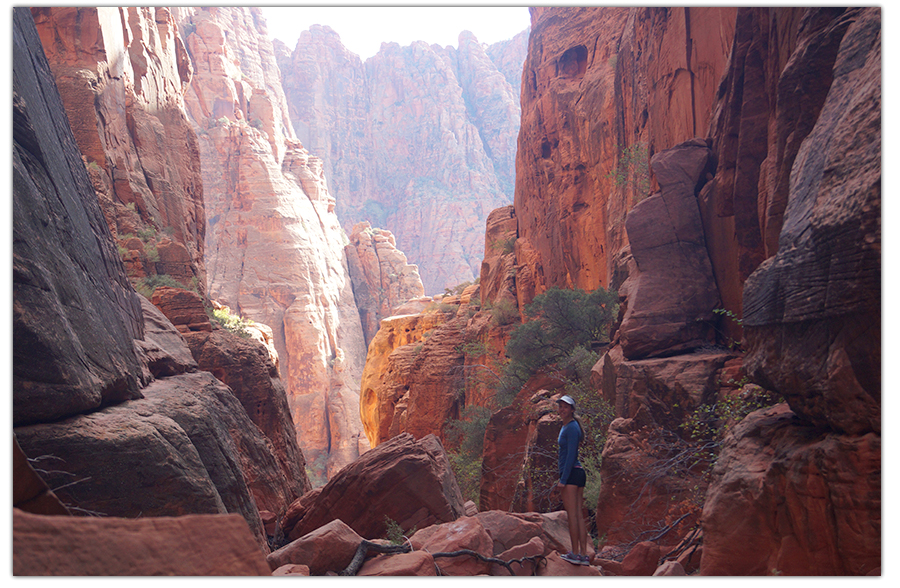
703 144
603 90
122 73
419 140
712 165
110 405
275 248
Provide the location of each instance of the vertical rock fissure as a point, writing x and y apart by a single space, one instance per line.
689 49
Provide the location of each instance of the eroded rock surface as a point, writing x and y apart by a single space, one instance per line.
383 280
196 545
793 499
276 251
405 480
122 74
74 313
419 140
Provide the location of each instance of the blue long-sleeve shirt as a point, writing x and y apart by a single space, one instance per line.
569 437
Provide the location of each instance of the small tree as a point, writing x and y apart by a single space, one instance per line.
558 322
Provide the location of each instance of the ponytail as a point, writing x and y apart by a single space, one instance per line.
580 427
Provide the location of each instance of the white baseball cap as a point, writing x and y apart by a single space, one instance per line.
568 400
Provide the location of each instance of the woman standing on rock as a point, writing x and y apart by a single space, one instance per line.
572 480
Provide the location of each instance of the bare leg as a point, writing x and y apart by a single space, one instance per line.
582 528
573 514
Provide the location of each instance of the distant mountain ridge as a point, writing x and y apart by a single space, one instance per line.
419 140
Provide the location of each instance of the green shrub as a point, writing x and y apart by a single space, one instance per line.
505 246
151 252
146 286
146 234
559 323
457 289
504 312
472 349
233 323
633 169
395 533
714 421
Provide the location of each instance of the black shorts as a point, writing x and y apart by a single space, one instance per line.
577 478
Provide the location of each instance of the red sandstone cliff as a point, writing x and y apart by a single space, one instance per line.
612 102
689 158
419 140
275 247
122 74
109 403
383 281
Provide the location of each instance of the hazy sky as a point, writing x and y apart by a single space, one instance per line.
363 28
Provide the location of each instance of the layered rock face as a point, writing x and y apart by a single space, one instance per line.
813 331
119 419
419 140
762 231
74 313
275 247
122 73
603 90
382 279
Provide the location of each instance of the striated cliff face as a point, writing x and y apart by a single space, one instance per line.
275 248
703 143
603 90
109 403
419 140
122 73
383 281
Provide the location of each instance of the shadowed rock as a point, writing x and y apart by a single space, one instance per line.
74 313
406 480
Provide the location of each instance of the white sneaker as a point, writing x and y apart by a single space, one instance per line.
572 558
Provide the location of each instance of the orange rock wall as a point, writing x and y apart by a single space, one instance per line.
122 74
598 81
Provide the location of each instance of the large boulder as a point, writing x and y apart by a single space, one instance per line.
414 563
812 313
463 533
671 297
162 349
330 548
651 479
792 499
405 480
245 366
187 447
185 309
194 545
670 388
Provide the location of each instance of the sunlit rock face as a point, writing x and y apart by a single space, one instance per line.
122 73
419 140
275 247
382 279
602 91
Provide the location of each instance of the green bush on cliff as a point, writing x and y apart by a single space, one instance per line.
232 322
558 323
146 286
